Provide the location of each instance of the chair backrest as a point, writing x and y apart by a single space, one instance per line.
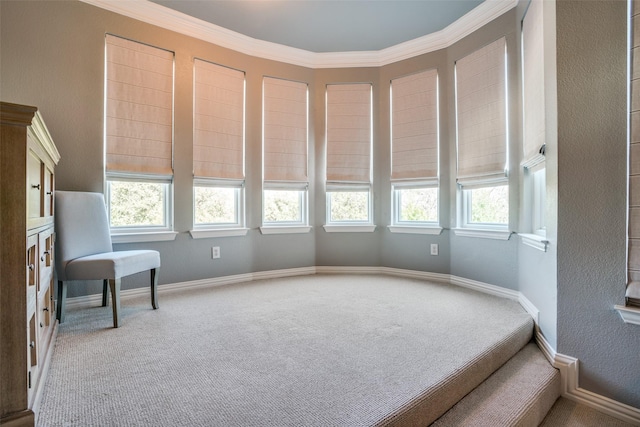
82 227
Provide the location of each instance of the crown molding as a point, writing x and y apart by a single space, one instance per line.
155 14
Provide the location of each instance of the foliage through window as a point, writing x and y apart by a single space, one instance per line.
348 206
216 205
487 205
284 206
416 205
137 204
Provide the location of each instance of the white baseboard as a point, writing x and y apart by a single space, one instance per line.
567 365
571 389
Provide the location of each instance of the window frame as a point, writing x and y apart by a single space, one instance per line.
396 187
239 202
167 183
303 193
349 188
465 203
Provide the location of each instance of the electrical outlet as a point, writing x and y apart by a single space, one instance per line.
215 252
434 249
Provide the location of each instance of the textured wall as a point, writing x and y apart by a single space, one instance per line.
592 147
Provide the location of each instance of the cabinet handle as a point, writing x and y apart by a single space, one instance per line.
49 193
31 267
41 324
32 344
35 186
45 309
45 253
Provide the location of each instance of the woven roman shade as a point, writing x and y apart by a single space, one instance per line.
285 130
634 162
533 84
414 126
349 133
218 137
481 113
139 108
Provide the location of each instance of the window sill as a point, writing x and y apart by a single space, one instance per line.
295 229
222 232
534 240
412 229
483 234
368 228
158 236
629 315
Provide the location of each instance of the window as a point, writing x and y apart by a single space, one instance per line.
533 119
285 170
138 136
218 149
349 159
414 150
481 119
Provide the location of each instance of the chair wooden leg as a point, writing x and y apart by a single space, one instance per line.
105 292
114 284
62 299
154 289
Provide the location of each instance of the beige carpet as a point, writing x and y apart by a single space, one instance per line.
323 350
566 413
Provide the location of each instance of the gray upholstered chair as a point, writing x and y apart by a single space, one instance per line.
84 250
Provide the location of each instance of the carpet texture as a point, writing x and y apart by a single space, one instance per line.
322 350
566 413
519 394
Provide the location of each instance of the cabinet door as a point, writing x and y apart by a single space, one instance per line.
47 192
34 185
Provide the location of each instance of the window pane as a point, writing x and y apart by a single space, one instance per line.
215 205
349 206
489 205
418 204
137 204
282 206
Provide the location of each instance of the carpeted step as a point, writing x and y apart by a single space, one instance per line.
520 393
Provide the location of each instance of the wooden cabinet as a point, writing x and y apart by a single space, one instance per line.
28 158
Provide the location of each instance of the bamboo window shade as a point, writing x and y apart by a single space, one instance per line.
533 83
481 113
139 108
349 133
634 156
414 143
285 130
218 140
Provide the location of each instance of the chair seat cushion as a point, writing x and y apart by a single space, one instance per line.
112 265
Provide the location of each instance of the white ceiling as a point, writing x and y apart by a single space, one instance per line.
322 26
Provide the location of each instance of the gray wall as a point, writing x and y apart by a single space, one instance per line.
52 56
592 159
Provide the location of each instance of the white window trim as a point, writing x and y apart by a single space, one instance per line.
284 229
534 240
135 237
349 228
143 232
422 229
223 232
283 226
464 208
357 225
220 229
395 208
484 234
